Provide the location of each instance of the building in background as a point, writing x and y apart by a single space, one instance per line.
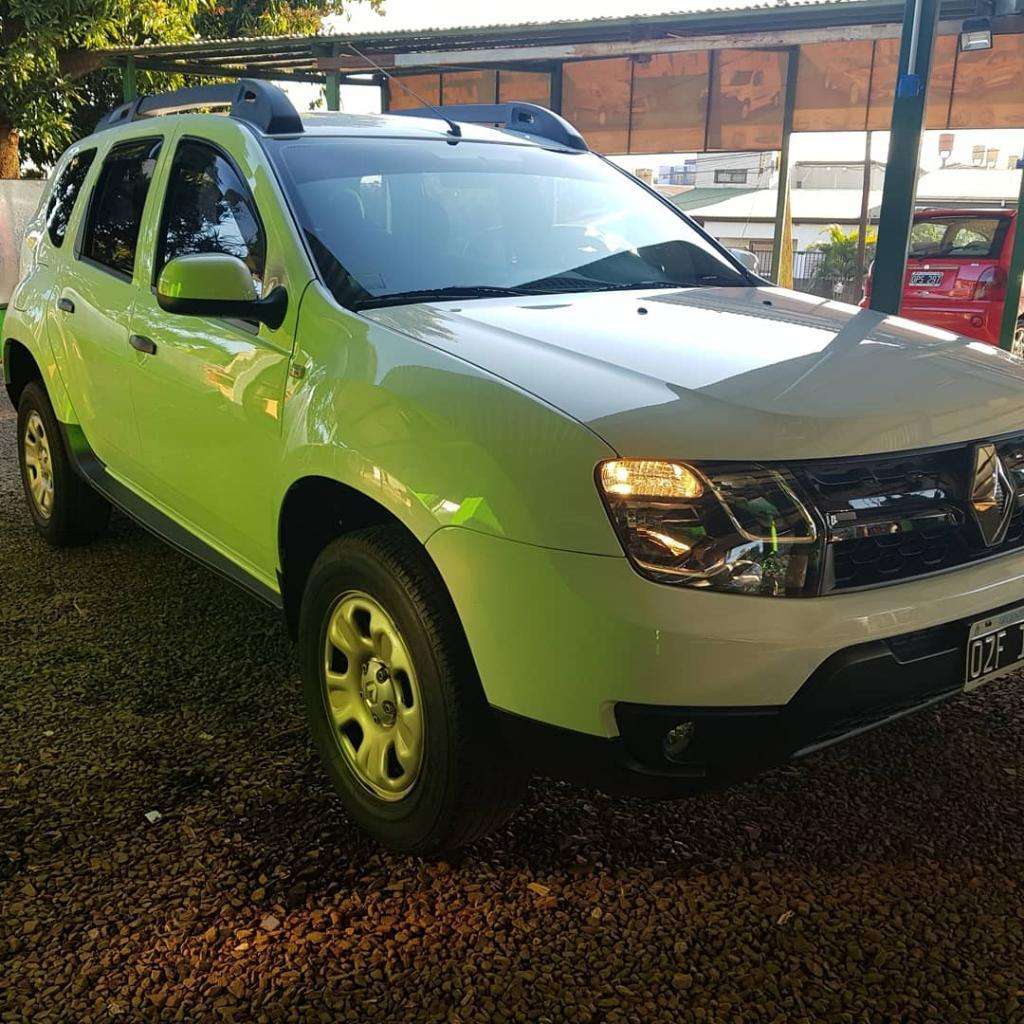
721 170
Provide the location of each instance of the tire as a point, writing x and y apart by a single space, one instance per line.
69 512
464 782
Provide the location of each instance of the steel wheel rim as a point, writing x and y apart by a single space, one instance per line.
372 696
38 464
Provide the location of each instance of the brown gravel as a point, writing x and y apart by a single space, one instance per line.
879 882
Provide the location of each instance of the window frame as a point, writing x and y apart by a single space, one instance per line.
87 219
161 235
52 197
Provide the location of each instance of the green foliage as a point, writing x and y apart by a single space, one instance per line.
840 260
46 47
52 87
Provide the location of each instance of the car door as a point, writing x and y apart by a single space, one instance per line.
208 396
95 295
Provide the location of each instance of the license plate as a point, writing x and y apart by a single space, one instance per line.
995 646
925 278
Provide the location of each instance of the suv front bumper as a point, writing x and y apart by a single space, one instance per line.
852 692
584 658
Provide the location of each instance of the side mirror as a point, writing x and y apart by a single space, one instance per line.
747 258
215 284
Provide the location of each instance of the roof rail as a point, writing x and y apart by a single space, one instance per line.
524 118
259 103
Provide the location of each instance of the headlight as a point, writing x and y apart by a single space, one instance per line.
720 526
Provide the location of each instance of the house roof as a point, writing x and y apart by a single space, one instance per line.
696 198
827 205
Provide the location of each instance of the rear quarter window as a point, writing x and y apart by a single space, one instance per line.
66 188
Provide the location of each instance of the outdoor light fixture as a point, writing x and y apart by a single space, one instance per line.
975 34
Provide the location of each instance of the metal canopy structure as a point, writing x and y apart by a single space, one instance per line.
722 79
313 58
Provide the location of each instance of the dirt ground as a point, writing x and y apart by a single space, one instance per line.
881 881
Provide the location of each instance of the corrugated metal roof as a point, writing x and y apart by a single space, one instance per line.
413 33
754 16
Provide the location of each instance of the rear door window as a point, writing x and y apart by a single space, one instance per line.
118 202
954 237
65 191
208 208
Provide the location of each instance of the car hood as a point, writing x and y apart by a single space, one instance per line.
733 373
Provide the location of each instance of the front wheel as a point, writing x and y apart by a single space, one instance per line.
394 703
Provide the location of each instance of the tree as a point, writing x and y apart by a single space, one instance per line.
839 262
52 83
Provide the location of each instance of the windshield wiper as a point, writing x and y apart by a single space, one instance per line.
453 293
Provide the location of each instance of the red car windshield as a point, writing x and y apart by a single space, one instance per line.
967 237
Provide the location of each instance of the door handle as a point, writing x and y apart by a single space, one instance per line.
142 344
65 305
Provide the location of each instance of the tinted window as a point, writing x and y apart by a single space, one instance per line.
394 216
209 209
118 202
65 192
965 236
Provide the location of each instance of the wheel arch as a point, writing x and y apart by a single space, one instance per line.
20 367
316 510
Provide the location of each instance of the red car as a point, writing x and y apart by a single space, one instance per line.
958 264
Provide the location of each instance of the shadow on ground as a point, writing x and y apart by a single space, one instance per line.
880 881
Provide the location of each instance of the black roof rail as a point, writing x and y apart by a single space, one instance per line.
524 118
259 103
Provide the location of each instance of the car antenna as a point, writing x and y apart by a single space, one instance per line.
453 126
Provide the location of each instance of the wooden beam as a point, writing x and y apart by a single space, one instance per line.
350 62
221 71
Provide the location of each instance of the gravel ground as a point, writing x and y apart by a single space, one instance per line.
878 882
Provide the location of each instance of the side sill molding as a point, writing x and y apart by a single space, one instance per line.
89 466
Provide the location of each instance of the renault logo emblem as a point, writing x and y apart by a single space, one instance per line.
991 495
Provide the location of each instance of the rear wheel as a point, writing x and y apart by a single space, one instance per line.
65 509
395 706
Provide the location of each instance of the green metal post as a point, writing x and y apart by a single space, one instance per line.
332 90
782 202
556 88
128 83
919 23
1011 308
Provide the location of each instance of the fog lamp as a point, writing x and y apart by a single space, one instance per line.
677 739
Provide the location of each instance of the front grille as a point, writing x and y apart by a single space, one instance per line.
897 517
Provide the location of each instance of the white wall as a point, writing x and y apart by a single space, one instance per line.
803 234
18 202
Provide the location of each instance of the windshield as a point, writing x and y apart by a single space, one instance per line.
963 236
393 220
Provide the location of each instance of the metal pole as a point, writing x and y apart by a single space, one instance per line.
919 22
782 201
556 88
332 90
865 195
1011 307
129 86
